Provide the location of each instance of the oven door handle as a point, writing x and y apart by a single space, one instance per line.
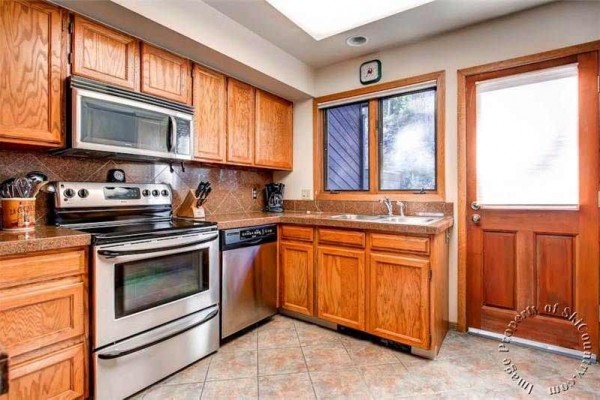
114 253
122 353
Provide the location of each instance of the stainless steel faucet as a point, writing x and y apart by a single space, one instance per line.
388 204
402 207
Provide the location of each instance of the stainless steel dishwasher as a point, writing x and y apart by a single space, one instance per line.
248 277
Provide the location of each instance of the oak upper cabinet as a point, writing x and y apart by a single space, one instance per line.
166 75
240 122
210 108
273 143
399 301
341 286
105 55
296 276
32 64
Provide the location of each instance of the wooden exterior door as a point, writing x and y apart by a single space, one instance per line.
32 37
166 75
273 142
296 274
240 122
341 286
521 256
396 311
105 55
210 106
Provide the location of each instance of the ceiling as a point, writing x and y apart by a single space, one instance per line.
400 29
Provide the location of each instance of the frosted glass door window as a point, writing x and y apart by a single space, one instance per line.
527 139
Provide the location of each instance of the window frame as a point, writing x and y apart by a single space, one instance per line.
374 192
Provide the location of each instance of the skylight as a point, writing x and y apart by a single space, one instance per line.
324 18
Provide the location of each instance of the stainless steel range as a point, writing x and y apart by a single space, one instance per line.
155 282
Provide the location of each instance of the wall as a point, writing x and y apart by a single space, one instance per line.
231 188
545 28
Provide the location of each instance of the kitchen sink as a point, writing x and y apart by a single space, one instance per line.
387 219
357 217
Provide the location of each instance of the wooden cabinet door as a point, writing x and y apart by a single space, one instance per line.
210 109
240 122
273 145
59 375
35 316
296 274
105 55
166 75
32 64
341 286
398 305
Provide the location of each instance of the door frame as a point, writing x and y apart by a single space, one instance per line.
462 75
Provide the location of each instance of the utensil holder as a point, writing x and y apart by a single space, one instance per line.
18 214
188 208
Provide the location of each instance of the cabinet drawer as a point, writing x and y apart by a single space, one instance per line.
33 317
19 270
343 237
401 243
293 232
59 375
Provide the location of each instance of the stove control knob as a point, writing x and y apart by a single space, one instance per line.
83 193
69 193
155 193
145 193
164 192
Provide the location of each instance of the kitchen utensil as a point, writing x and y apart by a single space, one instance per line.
204 196
6 188
23 187
37 187
36 176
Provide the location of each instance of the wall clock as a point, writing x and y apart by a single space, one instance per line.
370 72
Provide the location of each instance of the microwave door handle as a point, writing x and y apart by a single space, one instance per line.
171 133
114 253
121 353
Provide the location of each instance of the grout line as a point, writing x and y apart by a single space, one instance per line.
312 385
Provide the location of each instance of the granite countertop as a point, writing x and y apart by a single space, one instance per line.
229 221
43 238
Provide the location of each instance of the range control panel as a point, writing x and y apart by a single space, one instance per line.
91 194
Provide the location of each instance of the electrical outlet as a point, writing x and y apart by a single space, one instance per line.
306 194
254 193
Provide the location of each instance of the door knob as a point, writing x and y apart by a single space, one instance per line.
475 205
476 218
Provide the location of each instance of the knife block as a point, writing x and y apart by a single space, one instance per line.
188 208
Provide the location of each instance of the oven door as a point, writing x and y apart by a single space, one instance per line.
141 285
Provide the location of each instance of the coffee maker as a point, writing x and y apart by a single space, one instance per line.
274 192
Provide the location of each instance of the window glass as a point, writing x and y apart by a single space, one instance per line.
346 142
527 139
407 142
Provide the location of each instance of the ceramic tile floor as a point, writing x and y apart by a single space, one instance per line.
290 359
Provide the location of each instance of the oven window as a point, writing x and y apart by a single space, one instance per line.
144 284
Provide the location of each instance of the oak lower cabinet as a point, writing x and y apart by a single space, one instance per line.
399 298
43 323
341 286
391 285
32 65
296 273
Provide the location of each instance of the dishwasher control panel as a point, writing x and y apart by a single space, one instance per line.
241 237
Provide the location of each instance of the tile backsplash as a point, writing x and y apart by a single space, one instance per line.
231 188
366 207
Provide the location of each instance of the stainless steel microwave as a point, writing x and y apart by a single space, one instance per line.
114 122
